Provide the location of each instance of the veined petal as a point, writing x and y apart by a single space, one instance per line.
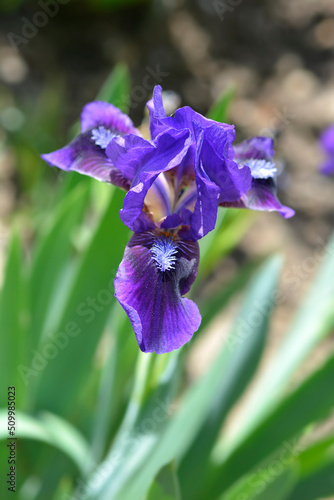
155 272
101 113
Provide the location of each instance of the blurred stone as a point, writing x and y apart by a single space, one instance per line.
13 68
288 62
323 34
299 84
11 119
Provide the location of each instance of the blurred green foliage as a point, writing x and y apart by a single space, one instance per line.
99 420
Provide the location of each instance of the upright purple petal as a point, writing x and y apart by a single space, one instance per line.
166 153
215 154
258 148
204 216
155 272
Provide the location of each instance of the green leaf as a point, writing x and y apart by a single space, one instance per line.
12 342
50 258
219 111
231 227
212 305
51 430
87 310
275 482
169 437
309 403
316 471
312 323
165 485
244 345
116 89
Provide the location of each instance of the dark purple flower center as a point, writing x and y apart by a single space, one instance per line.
164 251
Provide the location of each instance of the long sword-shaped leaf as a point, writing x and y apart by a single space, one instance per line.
245 346
52 430
12 343
313 322
309 403
50 258
87 310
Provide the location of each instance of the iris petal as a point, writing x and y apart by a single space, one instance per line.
84 156
257 153
166 153
100 113
262 196
86 153
258 148
162 319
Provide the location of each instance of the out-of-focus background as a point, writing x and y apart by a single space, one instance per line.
275 57
274 61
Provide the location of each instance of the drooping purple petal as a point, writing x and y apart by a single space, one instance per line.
166 153
101 113
101 122
257 154
262 196
155 272
84 156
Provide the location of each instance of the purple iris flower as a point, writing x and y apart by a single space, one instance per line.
327 143
175 183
